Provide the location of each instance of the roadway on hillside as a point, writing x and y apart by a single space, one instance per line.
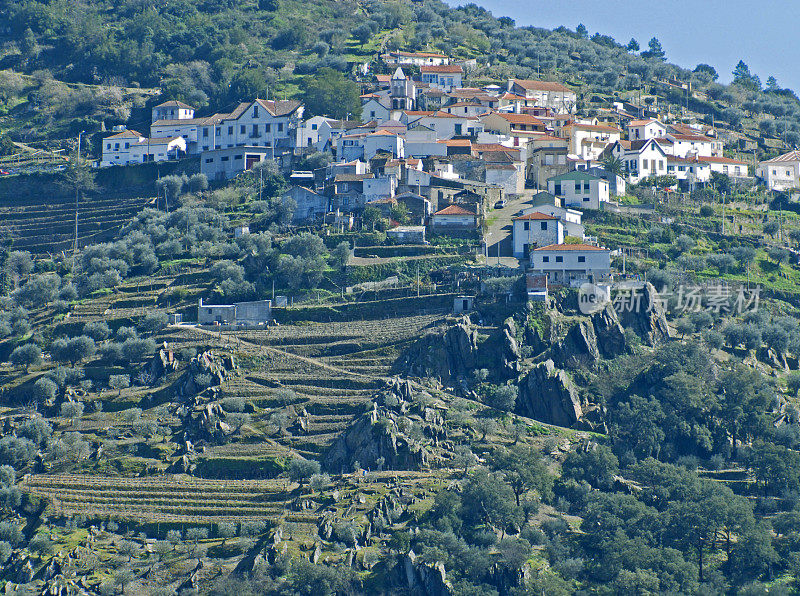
499 231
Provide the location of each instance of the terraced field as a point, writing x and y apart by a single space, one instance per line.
48 226
160 498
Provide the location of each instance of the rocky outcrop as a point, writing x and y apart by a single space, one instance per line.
210 364
163 362
549 395
509 351
644 313
418 578
446 354
609 333
579 347
396 430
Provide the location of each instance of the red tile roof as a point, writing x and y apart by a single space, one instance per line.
541 85
570 247
454 210
534 215
444 69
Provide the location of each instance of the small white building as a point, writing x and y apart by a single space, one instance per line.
375 110
579 189
407 234
172 110
780 173
545 94
570 218
130 147
258 312
223 164
641 130
569 264
455 216
735 168
588 141
445 77
533 230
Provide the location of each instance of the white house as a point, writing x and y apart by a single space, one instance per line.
172 110
569 264
378 188
223 164
351 147
690 145
310 204
579 189
130 147
420 141
570 218
641 130
375 110
533 230
735 168
780 173
588 141
641 159
383 141
445 77
307 133
260 123
415 58
691 170
546 94
455 216
117 148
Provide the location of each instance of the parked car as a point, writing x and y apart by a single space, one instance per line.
500 204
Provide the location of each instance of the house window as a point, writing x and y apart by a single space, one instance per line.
226 158
218 131
644 164
525 226
280 127
544 225
237 157
268 128
660 164
108 145
255 111
545 259
210 160
586 186
116 146
585 199
242 129
127 145
314 126
557 189
577 188
559 259
230 130
205 133
581 259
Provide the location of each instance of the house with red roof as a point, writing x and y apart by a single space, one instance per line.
442 76
533 230
572 264
546 94
455 217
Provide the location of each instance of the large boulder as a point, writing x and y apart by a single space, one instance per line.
608 331
547 394
644 313
578 348
446 353
216 366
396 430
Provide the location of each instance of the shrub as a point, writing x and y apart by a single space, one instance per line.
26 356
97 330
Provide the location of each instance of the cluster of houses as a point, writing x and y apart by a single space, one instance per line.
446 153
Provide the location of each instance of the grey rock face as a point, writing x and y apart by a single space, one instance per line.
646 317
548 394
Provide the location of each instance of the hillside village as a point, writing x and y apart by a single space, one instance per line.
390 298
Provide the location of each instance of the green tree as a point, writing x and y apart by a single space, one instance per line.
655 51
487 499
633 45
582 32
26 356
523 469
371 216
330 93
